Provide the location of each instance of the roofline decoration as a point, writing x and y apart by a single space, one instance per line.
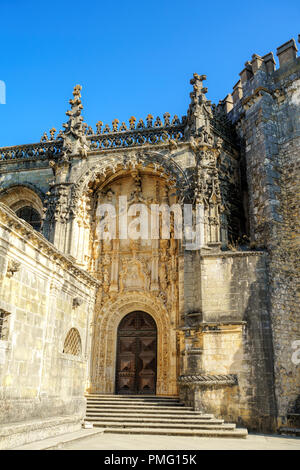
77 139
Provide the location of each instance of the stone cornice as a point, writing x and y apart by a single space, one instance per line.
25 231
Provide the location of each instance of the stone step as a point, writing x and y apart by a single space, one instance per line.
155 417
152 412
135 403
237 432
150 425
138 407
131 397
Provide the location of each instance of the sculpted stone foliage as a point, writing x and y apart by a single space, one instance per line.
57 203
133 269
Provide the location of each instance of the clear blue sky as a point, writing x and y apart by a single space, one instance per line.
132 58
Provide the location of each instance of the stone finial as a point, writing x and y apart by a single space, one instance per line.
287 52
76 91
199 112
44 137
175 120
132 122
196 81
123 127
149 120
115 124
166 117
99 125
140 124
52 133
158 122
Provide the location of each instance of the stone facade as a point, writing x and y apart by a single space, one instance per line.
267 118
39 380
226 311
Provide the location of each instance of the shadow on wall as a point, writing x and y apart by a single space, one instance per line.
256 377
251 403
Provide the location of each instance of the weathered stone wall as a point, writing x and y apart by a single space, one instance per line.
232 338
285 283
266 113
37 291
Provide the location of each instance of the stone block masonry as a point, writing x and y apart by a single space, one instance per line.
38 285
267 118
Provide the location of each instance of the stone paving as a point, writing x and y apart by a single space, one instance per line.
145 442
254 441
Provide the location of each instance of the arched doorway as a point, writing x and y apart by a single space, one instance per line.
136 355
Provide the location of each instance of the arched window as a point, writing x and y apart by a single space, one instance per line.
72 343
25 202
30 215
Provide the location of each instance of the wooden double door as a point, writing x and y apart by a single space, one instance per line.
136 355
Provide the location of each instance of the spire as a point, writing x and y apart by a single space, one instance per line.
74 140
199 112
74 123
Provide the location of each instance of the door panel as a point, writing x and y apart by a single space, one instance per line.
136 355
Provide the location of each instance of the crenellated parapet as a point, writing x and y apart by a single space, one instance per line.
259 77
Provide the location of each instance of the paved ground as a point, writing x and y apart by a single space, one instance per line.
95 439
144 442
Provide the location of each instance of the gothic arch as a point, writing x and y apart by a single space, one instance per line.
111 163
107 320
18 196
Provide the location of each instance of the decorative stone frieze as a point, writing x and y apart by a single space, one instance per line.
208 380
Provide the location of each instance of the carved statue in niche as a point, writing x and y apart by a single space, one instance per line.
106 272
137 193
134 275
163 272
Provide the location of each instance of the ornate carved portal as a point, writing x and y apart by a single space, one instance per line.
135 275
104 351
136 354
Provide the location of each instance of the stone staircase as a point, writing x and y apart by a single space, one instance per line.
124 414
